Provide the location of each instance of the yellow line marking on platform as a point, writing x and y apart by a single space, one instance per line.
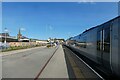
77 71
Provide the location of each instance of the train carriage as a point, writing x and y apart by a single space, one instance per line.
101 44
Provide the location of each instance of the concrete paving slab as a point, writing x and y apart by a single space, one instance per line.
26 64
56 68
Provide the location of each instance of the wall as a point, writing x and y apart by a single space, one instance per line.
24 43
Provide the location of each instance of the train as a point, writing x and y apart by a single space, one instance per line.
100 44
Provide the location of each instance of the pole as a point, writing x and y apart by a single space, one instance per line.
5 38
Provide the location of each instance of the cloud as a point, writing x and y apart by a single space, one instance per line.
50 27
86 1
23 29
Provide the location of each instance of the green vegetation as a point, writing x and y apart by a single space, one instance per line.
49 45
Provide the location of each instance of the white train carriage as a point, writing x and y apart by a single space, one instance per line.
101 44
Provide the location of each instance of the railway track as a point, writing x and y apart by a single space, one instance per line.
95 68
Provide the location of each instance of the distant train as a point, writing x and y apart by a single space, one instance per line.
100 44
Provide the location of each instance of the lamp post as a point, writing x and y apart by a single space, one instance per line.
5 35
5 30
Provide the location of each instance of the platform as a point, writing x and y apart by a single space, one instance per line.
64 64
54 62
57 67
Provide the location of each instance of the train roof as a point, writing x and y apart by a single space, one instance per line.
95 27
110 20
90 29
99 25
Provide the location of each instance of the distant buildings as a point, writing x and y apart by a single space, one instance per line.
4 34
42 41
19 35
55 40
8 37
22 38
59 40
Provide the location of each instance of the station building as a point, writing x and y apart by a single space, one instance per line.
8 38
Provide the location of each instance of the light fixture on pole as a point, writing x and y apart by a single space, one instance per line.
5 30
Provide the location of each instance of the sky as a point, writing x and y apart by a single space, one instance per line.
41 20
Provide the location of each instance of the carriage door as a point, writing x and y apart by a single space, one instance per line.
106 46
103 46
100 46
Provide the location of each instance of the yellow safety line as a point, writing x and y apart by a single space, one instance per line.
76 70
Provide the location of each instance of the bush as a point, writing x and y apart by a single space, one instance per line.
48 46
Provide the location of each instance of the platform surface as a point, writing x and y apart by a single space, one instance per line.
56 68
54 62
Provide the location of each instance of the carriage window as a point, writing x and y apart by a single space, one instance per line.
98 40
84 42
107 40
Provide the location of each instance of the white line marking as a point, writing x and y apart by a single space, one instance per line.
88 65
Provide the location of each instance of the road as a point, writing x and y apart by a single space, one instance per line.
25 64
